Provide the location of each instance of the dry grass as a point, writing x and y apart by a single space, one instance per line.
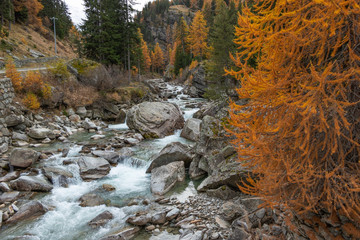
23 38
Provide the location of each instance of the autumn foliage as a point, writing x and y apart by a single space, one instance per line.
299 129
14 75
198 35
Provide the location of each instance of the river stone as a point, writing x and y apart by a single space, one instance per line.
223 192
9 196
87 124
141 220
75 118
31 183
124 234
230 211
29 210
13 120
20 136
165 177
194 171
190 235
91 200
40 133
172 152
172 214
22 157
111 157
58 175
155 119
158 218
4 187
10 176
81 111
101 219
191 129
92 168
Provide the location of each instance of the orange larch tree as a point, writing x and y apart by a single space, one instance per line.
33 7
299 130
198 35
146 56
157 58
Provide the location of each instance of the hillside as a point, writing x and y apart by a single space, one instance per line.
23 38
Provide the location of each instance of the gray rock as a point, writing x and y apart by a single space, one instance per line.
124 234
87 124
189 235
91 200
141 220
101 219
223 192
9 196
230 211
93 168
222 223
81 111
165 177
155 119
10 176
75 118
111 157
40 133
20 136
36 54
191 130
239 233
29 210
58 175
22 157
31 183
13 120
194 171
158 218
172 152
172 214
4 187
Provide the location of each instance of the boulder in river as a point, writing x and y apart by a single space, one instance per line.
40 133
22 157
31 183
29 210
191 129
111 157
9 196
91 200
165 177
173 152
124 234
101 219
155 119
92 168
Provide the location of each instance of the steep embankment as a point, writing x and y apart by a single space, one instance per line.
24 40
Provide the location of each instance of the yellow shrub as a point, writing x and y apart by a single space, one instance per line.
193 64
59 69
31 101
14 75
46 91
33 82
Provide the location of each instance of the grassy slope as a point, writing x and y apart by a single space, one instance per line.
22 38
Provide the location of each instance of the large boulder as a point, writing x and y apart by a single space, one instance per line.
31 183
58 175
165 177
21 157
111 157
93 168
29 210
191 129
91 200
155 119
40 133
101 219
13 120
172 152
